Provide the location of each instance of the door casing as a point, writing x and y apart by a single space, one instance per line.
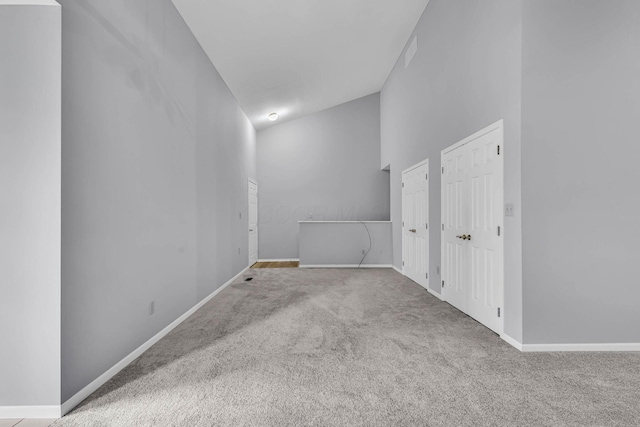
252 222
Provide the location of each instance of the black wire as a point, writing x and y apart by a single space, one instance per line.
366 253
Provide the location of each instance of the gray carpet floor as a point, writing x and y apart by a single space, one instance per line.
298 347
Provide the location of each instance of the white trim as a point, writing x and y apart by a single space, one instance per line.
254 182
581 347
417 165
431 291
98 382
10 412
343 222
531 348
494 126
280 260
29 3
346 266
512 341
435 294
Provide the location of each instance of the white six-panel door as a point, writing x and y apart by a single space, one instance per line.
253 222
415 223
472 235
485 240
455 220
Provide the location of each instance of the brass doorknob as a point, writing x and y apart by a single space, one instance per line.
413 230
469 237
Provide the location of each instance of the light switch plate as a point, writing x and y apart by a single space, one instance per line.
509 210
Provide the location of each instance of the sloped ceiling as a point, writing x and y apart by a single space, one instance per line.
296 57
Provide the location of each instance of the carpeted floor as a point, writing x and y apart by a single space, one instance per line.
298 347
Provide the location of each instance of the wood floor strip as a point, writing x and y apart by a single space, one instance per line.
284 264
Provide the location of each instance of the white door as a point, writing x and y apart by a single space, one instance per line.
415 223
253 222
454 217
472 241
484 239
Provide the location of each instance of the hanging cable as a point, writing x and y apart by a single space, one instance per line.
370 243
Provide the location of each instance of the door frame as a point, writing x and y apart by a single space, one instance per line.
255 182
409 169
497 126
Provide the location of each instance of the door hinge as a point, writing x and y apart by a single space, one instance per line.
498 150
427 275
426 226
426 176
498 311
403 185
403 263
498 230
443 283
443 170
442 227
403 223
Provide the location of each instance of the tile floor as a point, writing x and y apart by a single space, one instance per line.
26 422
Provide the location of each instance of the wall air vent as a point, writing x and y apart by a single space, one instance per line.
411 51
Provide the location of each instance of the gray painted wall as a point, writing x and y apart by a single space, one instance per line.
345 243
30 205
581 104
324 166
156 155
465 76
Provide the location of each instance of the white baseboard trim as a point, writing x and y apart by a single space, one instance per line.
515 343
280 260
345 266
581 347
431 291
531 348
98 382
435 294
18 412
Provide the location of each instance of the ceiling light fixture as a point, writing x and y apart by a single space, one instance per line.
273 117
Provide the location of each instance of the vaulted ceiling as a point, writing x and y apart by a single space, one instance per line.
296 57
